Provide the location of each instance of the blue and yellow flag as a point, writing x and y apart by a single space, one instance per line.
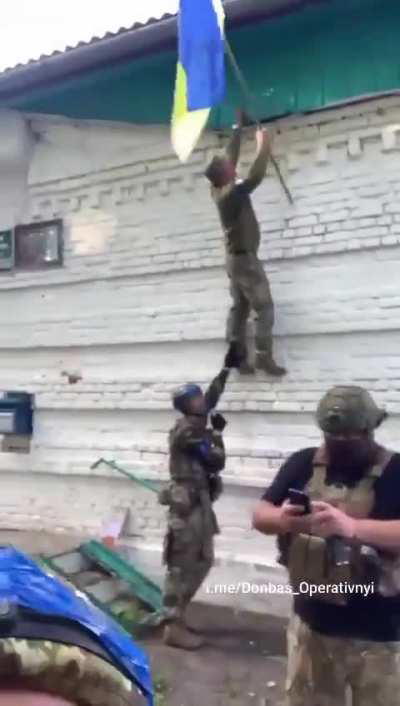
200 78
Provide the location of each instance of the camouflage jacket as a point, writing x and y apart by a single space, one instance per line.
239 222
196 451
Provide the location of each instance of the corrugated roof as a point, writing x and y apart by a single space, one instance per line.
93 40
127 44
236 11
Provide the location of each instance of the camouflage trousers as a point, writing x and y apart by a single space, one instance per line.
331 671
250 290
189 556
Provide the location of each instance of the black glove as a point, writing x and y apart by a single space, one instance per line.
218 422
235 356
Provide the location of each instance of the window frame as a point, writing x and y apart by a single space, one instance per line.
58 223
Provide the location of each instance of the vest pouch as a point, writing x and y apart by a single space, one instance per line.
340 571
366 565
306 560
312 563
181 500
330 565
389 575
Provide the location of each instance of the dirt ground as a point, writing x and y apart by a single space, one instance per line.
242 663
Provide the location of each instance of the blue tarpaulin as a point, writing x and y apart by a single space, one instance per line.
24 583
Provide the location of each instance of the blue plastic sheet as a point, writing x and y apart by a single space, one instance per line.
24 583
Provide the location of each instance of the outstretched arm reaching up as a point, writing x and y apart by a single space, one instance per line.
232 151
233 359
258 169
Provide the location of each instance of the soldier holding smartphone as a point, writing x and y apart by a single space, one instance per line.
341 639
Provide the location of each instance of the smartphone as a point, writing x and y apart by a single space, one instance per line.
297 497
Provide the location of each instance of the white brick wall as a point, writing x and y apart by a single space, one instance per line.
142 300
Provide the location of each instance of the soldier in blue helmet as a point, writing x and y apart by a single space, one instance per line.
197 456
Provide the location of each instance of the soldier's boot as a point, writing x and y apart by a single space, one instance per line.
265 361
176 634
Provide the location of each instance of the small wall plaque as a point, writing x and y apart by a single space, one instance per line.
6 249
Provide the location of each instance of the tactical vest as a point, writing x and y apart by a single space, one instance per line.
311 559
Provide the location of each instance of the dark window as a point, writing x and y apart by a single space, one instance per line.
39 246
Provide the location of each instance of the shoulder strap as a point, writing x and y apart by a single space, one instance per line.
319 469
320 461
320 457
383 460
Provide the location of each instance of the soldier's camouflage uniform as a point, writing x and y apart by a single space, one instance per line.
192 524
65 671
250 289
321 669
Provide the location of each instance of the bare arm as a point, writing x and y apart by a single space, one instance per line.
383 534
267 518
258 169
329 521
271 519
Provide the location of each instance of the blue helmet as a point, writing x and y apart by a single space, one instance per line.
182 395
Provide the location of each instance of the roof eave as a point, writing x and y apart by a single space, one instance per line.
148 39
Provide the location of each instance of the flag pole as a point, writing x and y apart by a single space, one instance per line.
248 99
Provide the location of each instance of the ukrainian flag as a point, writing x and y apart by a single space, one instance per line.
200 78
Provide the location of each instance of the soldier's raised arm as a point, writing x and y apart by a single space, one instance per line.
216 388
232 151
233 359
258 169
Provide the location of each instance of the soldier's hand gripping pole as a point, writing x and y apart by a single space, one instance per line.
247 96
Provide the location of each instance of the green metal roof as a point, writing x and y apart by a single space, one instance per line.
295 62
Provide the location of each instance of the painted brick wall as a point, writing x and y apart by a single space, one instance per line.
142 300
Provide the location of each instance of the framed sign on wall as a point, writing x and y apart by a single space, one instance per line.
6 249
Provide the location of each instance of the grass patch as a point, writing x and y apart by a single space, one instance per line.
160 691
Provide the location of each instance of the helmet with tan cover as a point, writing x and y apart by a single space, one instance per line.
72 673
348 409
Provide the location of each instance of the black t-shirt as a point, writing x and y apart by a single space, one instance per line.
369 618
